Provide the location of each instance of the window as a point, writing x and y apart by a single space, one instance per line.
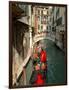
38 18
47 12
50 27
42 12
59 21
38 27
42 20
45 17
53 20
54 29
50 19
38 12
57 13
47 27
52 10
41 27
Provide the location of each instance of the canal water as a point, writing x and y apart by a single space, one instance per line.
56 66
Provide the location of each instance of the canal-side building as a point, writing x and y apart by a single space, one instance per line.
60 27
57 25
40 21
40 18
22 29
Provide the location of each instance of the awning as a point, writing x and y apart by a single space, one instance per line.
24 20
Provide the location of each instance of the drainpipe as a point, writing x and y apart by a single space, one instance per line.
30 26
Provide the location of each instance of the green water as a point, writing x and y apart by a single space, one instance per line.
56 73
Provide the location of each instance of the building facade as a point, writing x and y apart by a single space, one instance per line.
57 25
22 41
40 18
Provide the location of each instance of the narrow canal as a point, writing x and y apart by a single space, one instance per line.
56 72
56 66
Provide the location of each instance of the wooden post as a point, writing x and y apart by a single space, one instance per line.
24 75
